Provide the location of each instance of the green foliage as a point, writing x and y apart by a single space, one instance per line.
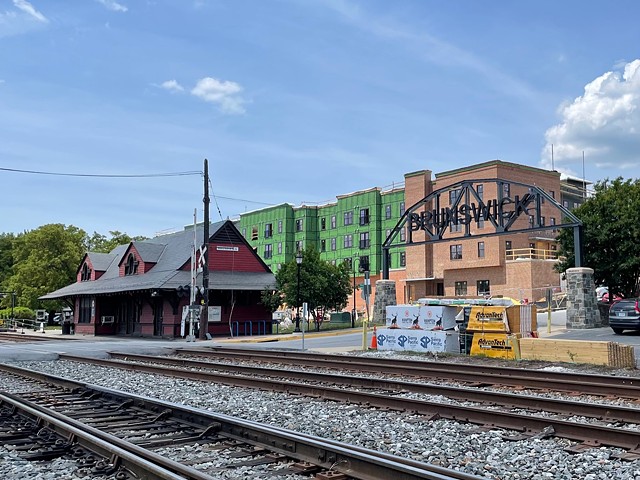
18 312
45 260
101 244
6 257
323 286
611 229
272 299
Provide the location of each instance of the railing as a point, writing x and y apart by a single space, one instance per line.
531 254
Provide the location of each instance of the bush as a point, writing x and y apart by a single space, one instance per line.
18 312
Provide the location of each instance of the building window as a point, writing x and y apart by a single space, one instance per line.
84 315
254 233
333 262
461 288
323 245
244 232
349 262
86 273
565 203
299 224
483 287
279 248
348 241
131 267
333 244
364 263
403 234
403 259
531 221
508 247
542 221
299 245
480 249
576 204
279 226
268 230
453 196
506 190
348 218
364 216
333 221
553 194
323 223
268 252
401 208
455 252
387 212
364 240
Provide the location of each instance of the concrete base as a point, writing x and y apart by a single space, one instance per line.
582 305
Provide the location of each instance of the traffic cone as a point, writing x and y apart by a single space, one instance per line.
374 339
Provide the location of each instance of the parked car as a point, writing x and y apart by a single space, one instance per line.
624 315
57 318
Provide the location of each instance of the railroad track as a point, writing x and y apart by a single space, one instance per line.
469 374
129 427
522 424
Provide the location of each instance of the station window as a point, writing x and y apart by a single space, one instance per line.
480 249
455 252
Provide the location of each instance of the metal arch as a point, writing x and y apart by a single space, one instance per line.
502 223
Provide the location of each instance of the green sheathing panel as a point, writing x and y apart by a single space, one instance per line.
255 225
394 200
317 229
307 217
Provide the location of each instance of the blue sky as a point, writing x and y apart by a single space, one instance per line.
298 100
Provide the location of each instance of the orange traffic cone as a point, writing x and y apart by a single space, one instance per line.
374 339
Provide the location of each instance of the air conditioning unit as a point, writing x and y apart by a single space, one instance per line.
107 319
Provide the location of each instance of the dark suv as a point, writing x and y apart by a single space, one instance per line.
624 315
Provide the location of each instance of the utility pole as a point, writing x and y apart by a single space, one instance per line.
204 316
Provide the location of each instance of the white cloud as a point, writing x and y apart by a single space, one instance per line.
172 86
604 123
113 5
222 93
30 10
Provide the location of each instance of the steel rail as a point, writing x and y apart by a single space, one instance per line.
141 462
607 412
529 424
355 462
589 384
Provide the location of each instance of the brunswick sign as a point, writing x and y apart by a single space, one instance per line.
464 207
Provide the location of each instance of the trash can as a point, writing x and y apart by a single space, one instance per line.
66 328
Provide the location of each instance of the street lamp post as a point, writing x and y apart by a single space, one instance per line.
299 262
353 313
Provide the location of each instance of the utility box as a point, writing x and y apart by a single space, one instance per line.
340 317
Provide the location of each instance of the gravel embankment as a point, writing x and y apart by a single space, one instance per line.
442 442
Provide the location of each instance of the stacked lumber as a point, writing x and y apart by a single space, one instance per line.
611 354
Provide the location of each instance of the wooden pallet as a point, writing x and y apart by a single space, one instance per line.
611 354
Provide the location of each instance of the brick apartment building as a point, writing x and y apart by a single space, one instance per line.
353 229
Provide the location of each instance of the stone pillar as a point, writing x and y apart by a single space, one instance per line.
385 295
582 306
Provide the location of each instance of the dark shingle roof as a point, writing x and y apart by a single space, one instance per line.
101 261
171 252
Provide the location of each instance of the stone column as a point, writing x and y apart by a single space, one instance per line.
385 295
582 306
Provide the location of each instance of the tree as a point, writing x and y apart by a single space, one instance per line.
323 286
611 229
101 244
45 260
6 258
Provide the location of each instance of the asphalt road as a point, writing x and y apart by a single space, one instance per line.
331 342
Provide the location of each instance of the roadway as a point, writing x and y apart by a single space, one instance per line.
327 342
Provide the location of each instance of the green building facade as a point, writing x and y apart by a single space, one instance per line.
351 229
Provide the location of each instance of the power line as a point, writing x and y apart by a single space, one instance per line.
141 175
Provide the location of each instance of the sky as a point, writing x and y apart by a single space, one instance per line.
297 101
